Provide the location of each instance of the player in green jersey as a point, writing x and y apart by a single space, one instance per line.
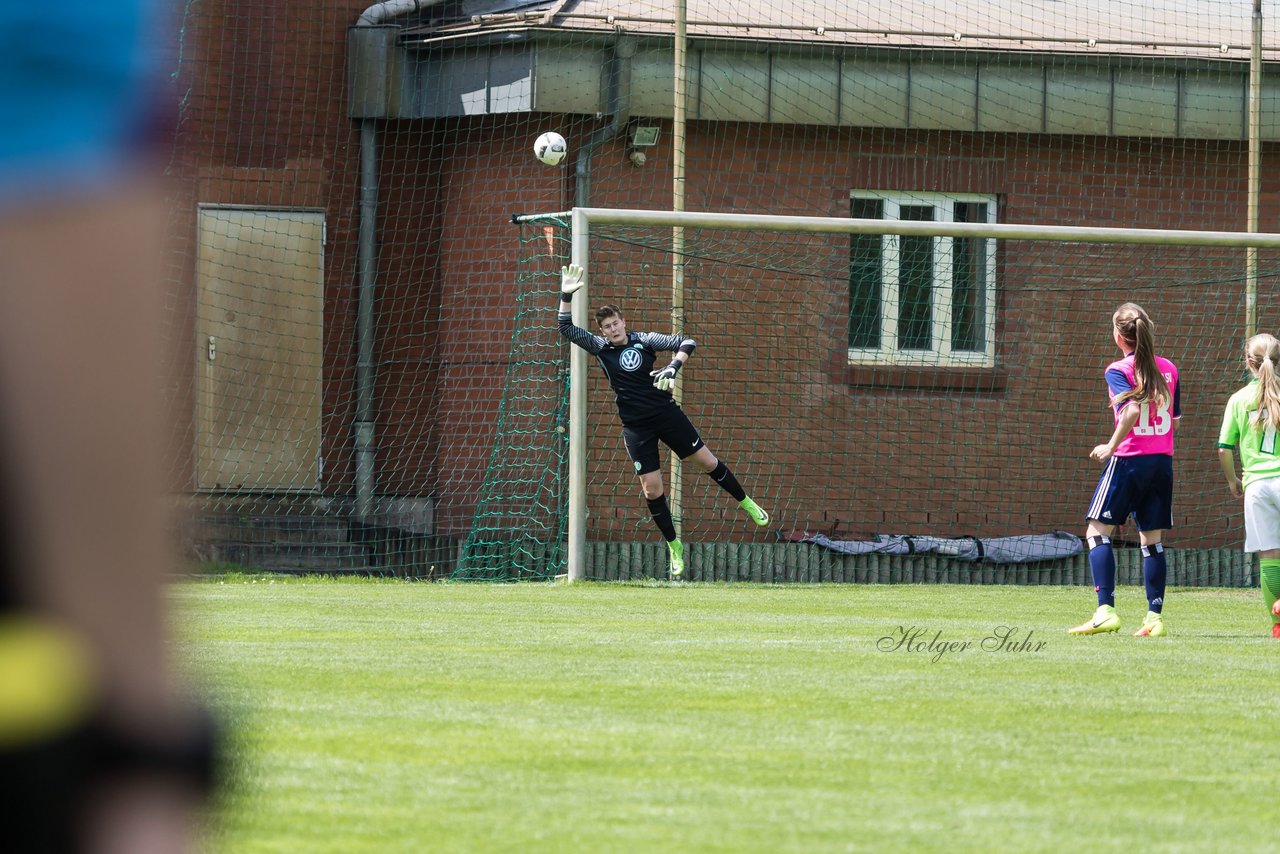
1250 425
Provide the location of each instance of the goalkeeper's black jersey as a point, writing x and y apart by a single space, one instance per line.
628 368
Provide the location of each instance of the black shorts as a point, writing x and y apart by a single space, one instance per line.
674 429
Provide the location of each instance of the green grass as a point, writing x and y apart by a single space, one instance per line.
414 717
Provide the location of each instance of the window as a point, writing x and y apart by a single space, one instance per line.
922 301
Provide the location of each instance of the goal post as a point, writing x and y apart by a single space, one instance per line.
580 250
1217 276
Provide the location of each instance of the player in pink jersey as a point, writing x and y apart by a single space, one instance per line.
1138 478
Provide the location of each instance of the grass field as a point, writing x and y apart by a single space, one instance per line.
602 717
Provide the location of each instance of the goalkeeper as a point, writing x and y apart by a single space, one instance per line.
646 408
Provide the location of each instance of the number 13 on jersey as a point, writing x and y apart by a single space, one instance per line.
1158 426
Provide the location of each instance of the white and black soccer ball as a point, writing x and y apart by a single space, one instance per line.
550 148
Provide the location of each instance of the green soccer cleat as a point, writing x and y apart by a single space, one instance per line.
1104 619
755 511
1152 626
677 558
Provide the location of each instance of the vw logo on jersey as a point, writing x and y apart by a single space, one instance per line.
630 359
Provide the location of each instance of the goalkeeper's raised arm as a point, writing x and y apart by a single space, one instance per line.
572 278
646 407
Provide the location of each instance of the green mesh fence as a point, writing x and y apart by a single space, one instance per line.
353 322
520 522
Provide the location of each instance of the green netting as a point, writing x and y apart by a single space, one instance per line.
520 522
344 285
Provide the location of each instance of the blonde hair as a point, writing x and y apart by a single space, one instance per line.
1136 329
1262 355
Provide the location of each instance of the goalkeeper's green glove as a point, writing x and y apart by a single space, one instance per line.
665 379
572 278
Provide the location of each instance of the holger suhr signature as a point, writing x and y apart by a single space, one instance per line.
932 643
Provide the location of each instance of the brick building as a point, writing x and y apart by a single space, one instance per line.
379 150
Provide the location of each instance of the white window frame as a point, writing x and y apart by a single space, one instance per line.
940 354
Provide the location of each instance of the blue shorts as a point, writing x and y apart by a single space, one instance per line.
1138 486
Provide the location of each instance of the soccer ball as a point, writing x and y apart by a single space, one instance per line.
550 148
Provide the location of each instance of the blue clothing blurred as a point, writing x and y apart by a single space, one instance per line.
78 92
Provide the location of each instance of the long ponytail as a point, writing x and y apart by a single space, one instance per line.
1136 329
1262 354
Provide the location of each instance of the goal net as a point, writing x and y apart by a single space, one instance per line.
367 377
916 378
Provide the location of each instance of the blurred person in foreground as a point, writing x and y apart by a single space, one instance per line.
99 748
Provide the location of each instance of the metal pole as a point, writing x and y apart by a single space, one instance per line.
577 551
1255 172
677 232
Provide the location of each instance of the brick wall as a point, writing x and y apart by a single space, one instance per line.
265 125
